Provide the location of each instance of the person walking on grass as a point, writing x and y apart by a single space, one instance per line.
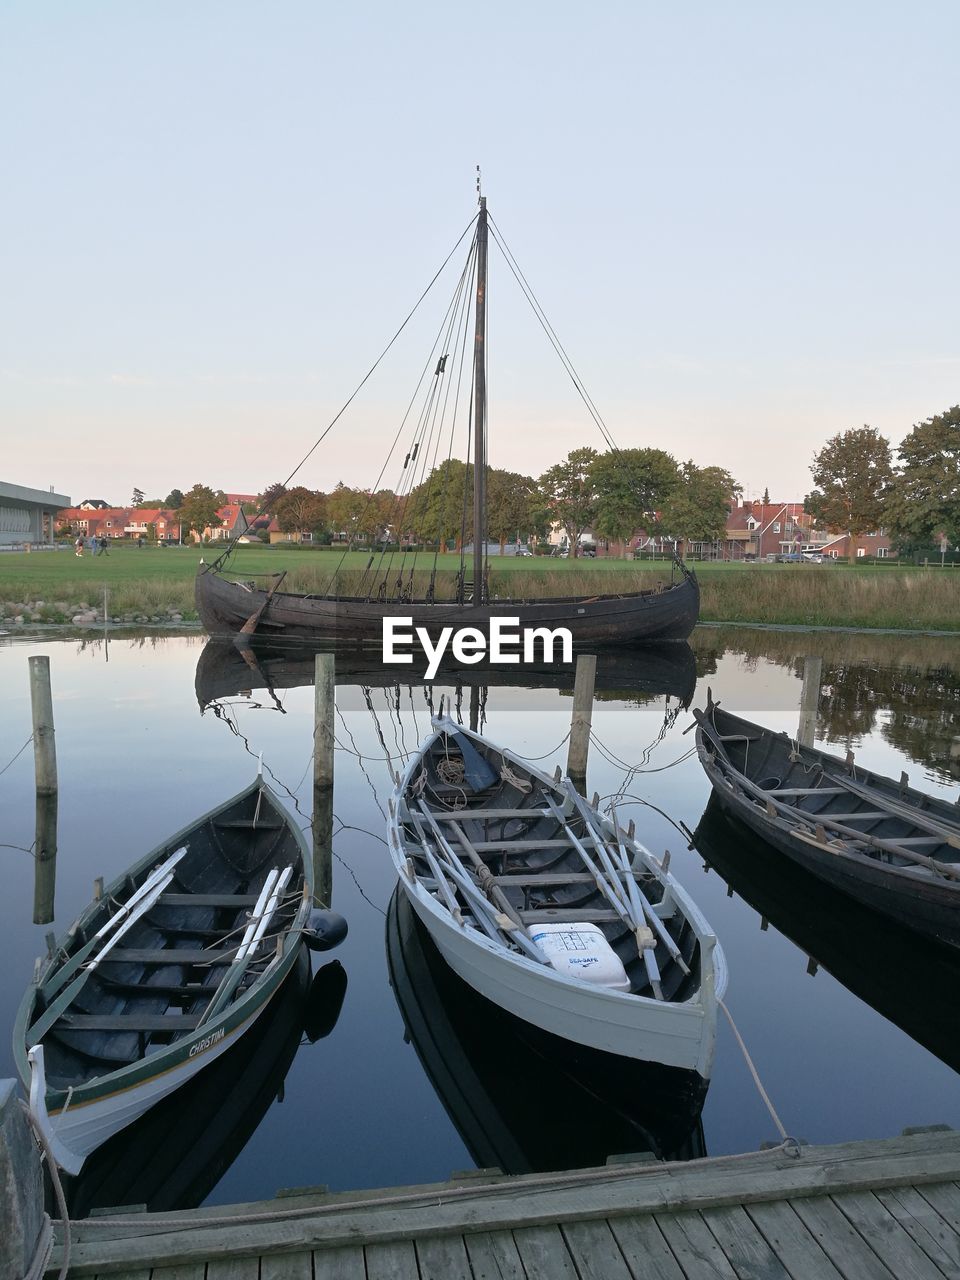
78 545
93 544
103 547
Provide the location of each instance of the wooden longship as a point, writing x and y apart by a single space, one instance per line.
230 605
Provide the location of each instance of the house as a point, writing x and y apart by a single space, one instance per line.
122 522
28 516
232 524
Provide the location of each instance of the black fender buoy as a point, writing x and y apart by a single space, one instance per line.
324 930
324 1001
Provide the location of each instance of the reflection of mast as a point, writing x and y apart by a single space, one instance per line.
479 411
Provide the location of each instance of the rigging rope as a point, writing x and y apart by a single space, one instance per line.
366 377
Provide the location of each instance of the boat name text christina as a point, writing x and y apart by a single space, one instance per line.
207 1042
507 643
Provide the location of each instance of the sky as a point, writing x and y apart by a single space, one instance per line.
740 219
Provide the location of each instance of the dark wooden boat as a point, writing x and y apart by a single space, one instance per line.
892 848
906 978
225 669
239 604
164 971
499 1078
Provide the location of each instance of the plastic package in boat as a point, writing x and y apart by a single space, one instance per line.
581 951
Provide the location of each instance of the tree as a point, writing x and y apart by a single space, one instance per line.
766 496
355 512
198 511
853 474
925 498
137 499
301 511
271 494
513 502
571 494
697 509
434 510
174 500
631 485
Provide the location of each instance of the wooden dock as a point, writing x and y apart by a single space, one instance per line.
879 1210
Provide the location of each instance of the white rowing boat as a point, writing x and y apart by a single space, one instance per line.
549 909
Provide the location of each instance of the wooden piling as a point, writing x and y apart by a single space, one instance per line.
324 709
26 1238
45 859
44 744
580 719
809 700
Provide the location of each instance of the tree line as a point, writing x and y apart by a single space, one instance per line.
915 498
614 495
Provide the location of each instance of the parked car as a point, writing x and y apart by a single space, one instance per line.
523 551
589 552
814 557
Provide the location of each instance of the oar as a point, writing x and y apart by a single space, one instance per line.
266 904
514 928
67 997
79 958
446 893
647 910
647 952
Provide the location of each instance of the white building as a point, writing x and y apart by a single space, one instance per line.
27 516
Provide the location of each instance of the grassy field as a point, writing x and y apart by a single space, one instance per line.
156 583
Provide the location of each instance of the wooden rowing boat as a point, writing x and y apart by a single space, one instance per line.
164 971
549 909
892 848
906 978
498 1077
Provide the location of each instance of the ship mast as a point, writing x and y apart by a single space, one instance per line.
479 411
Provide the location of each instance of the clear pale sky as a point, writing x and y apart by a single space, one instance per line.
742 220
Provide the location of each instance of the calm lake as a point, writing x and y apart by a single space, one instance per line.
853 1025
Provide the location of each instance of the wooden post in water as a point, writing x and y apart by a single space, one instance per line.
44 744
45 769
324 708
809 699
26 1237
580 720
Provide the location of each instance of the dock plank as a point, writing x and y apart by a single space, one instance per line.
644 1249
233 1269
544 1253
494 1256
886 1235
934 1236
595 1251
443 1258
287 1266
339 1264
845 1247
944 1199
744 1245
396 1260
792 1242
694 1247
188 1271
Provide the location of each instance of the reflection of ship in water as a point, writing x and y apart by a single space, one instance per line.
907 979
226 669
178 1152
524 1100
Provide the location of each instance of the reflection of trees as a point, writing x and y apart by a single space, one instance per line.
908 686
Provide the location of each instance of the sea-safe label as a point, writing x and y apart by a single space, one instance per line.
504 643
207 1042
